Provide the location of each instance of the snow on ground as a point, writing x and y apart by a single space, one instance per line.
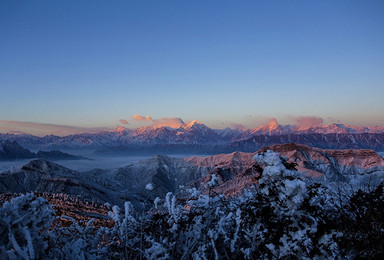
149 186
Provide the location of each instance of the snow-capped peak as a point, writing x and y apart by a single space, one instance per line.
272 127
192 123
120 129
272 124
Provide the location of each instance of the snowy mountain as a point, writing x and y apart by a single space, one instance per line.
193 132
130 183
238 170
340 129
196 133
271 128
228 135
44 176
145 135
333 165
373 141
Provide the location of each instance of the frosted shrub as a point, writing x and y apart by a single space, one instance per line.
214 182
24 224
76 241
125 236
277 224
362 222
204 230
156 250
285 186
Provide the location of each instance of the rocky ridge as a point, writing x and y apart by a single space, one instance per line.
143 181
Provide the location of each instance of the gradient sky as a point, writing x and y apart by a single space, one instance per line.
92 63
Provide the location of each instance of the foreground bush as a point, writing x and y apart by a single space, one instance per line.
24 224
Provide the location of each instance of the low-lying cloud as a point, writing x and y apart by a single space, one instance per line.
124 122
237 126
141 118
173 122
40 129
305 122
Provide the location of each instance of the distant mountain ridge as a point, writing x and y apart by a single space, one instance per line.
13 151
187 136
373 141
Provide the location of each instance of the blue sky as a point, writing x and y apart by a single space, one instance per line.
91 63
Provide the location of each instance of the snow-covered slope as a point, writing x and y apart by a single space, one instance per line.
332 164
116 186
238 170
44 176
373 141
193 132
271 128
341 129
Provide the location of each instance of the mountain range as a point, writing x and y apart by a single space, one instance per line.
195 137
141 182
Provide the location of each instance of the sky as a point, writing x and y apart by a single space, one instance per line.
95 64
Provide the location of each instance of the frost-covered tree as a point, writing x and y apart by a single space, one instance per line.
362 222
277 224
76 241
24 224
125 237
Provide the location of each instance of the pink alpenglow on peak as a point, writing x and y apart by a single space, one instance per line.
272 124
192 123
271 128
120 129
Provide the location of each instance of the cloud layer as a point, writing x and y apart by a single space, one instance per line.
137 117
305 122
40 129
123 121
173 122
